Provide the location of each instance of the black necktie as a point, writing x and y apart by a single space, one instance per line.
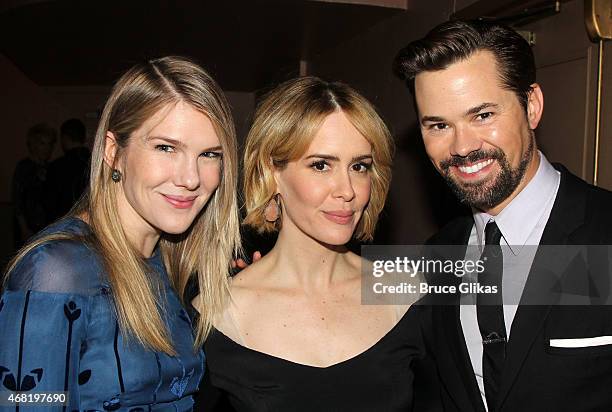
490 313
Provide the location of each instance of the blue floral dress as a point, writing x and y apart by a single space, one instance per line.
59 333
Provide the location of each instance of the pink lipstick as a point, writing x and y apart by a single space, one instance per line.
180 202
341 217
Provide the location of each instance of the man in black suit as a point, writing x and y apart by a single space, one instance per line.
478 105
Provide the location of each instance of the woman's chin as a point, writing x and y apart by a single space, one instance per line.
174 228
336 239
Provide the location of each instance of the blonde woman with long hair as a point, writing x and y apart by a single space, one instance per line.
295 336
91 307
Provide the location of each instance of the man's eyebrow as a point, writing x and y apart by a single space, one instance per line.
432 119
470 112
480 107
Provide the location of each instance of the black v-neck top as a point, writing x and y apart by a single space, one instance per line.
378 379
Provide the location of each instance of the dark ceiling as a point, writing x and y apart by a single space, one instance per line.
245 44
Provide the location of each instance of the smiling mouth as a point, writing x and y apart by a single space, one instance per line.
180 202
475 167
340 217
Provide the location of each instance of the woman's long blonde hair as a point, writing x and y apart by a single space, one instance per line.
208 246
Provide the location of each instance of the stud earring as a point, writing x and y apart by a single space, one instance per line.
116 175
272 212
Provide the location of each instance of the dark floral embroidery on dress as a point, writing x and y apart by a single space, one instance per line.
27 383
178 385
112 404
71 311
58 352
84 376
8 381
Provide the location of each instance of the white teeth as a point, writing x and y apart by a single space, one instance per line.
475 167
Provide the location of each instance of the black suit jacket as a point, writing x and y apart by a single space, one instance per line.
536 377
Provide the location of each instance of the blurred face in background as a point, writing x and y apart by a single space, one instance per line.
323 193
41 148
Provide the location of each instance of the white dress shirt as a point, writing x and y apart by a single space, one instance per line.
521 223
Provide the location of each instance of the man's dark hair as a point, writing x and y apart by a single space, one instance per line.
74 129
457 40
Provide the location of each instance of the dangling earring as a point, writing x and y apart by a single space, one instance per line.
272 211
116 175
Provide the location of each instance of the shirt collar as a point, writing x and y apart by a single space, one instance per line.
519 218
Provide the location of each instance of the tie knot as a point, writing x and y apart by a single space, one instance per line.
492 234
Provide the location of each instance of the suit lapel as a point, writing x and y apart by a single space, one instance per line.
566 216
451 350
460 380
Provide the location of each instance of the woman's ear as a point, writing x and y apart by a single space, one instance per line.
110 149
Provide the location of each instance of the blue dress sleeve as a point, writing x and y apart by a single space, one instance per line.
43 324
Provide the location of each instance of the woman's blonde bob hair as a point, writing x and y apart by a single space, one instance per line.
205 249
285 123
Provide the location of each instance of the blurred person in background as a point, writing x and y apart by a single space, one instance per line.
68 174
29 181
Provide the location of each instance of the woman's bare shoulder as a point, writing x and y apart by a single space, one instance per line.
250 276
252 280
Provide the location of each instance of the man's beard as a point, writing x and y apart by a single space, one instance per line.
485 194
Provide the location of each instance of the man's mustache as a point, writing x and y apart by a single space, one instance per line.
471 158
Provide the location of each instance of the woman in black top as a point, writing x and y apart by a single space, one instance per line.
296 336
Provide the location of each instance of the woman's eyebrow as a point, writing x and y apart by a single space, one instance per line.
180 144
323 156
336 158
167 139
362 157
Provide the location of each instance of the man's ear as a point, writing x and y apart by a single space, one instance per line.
535 106
110 149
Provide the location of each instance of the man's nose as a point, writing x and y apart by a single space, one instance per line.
465 141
